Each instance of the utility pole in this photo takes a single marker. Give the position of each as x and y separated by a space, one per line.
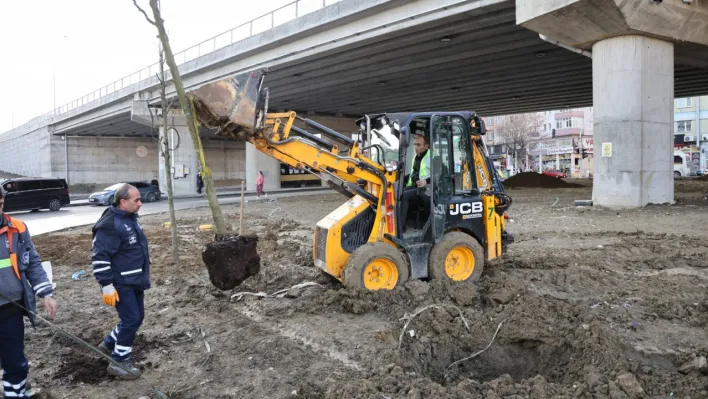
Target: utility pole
54 88
54 80
66 157
698 133
580 154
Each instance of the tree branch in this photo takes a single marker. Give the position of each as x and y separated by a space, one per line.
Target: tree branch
135 2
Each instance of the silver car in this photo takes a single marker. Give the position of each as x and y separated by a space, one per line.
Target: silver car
148 193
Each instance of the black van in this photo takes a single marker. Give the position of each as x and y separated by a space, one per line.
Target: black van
31 193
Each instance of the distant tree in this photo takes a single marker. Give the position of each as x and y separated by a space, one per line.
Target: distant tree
514 132
166 151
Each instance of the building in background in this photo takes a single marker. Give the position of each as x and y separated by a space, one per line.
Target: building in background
555 144
561 137
691 131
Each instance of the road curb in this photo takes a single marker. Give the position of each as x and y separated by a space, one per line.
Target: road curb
247 194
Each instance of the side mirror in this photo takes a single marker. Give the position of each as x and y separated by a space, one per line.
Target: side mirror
404 140
481 126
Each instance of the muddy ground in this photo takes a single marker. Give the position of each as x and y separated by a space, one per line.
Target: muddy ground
592 303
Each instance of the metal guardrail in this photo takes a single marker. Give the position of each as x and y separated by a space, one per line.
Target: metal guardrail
255 26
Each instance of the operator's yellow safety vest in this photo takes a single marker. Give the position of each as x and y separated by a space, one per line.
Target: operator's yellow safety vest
423 172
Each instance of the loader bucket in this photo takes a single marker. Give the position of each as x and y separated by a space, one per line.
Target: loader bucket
233 105
231 259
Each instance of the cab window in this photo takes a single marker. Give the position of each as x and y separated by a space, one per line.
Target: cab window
462 156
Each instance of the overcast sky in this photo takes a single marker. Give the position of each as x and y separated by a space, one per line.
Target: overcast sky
91 43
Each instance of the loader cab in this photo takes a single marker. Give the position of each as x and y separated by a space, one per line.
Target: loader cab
457 179
453 198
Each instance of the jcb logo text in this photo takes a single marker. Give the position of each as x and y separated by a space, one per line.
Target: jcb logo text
466 208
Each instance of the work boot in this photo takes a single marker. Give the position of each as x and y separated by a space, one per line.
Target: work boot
121 373
103 348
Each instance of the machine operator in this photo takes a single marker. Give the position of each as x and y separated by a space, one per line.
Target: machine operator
416 190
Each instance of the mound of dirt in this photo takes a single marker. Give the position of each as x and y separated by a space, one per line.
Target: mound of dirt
533 179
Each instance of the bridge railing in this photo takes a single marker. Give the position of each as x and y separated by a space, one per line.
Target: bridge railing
255 26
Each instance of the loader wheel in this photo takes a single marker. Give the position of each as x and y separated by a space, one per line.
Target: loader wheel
457 257
375 266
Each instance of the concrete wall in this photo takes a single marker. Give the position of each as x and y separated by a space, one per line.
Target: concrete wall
227 160
103 160
26 154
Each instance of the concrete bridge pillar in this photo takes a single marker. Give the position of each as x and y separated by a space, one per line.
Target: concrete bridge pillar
633 92
255 161
632 43
185 164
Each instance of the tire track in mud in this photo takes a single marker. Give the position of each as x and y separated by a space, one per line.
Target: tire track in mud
297 333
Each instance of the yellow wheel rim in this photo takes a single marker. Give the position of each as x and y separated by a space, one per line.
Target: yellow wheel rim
381 273
459 263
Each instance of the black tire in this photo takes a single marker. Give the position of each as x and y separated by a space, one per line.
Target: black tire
677 173
151 197
110 200
54 204
458 241
357 267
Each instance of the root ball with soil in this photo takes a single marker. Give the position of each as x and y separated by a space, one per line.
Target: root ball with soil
231 259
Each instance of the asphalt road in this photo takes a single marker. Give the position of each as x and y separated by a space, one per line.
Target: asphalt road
45 221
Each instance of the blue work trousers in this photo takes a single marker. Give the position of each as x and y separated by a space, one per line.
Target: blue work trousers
131 311
12 354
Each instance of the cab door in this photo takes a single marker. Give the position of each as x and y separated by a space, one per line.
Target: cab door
30 194
442 168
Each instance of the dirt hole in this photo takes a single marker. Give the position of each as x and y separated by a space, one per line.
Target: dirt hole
520 360
82 365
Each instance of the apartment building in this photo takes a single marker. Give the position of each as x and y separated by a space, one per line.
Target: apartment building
555 145
691 131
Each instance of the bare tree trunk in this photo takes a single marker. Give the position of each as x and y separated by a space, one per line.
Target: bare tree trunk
164 145
159 23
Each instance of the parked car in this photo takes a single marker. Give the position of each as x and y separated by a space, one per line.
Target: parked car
148 193
555 173
681 168
34 193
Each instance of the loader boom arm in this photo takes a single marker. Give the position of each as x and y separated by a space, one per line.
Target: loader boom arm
238 108
318 155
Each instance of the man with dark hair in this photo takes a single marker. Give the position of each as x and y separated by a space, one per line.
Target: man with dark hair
121 265
418 180
21 278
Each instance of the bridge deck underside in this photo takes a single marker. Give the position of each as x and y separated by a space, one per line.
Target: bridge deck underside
490 65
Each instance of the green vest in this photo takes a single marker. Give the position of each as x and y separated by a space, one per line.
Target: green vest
423 172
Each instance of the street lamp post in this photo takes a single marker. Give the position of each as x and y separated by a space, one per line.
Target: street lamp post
54 80
54 112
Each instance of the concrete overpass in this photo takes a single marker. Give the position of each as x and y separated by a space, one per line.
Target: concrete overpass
363 56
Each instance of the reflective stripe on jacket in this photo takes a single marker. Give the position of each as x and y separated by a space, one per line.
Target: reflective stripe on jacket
25 262
120 250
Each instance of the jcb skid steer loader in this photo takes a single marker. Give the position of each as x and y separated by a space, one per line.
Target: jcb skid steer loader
362 243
